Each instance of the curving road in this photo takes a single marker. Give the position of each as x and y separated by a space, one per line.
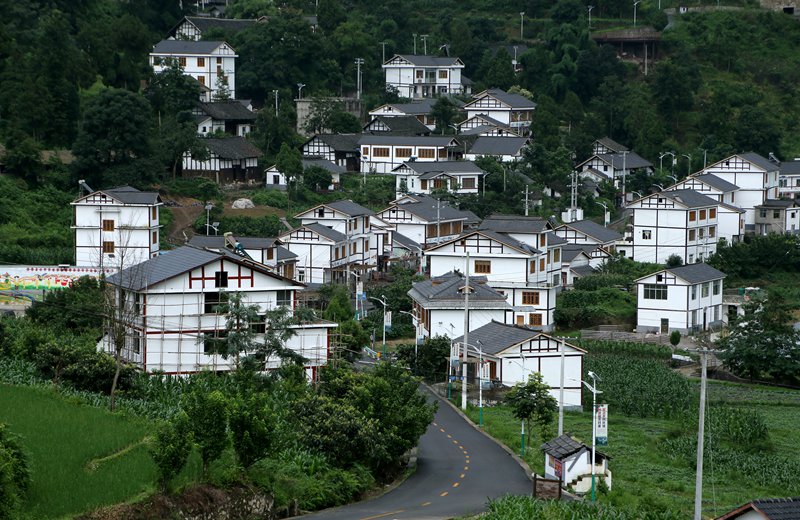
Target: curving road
458 470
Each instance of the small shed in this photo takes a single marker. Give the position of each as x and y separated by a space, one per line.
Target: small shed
570 461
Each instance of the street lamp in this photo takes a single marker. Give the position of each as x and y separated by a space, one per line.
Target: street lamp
415 320
300 90
479 350
660 187
593 389
688 164
637 2
674 179
358 279
382 301
209 225
521 24
590 7
605 212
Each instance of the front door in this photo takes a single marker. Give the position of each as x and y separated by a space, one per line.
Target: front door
664 325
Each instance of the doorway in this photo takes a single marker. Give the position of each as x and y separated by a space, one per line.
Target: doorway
664 325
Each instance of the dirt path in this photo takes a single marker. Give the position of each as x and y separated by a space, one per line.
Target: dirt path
183 216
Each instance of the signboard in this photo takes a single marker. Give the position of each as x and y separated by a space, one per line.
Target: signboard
557 466
601 418
388 323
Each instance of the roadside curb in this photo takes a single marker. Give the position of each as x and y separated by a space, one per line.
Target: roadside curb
517 458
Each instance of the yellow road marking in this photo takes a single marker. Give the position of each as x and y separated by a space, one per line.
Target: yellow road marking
466 468
383 514
455 442
435 424
424 504
462 448
455 485
441 430
449 436
443 494
462 476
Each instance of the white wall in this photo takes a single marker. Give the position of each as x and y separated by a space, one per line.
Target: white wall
132 236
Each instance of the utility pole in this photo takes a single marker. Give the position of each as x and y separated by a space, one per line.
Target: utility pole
466 332
275 92
415 43
358 62
521 25
526 200
438 219
624 175
561 393
590 7
698 483
424 38
383 51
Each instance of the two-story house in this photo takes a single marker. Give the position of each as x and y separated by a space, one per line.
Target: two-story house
230 160
756 177
461 177
397 125
709 185
384 153
267 251
589 232
606 145
424 76
276 180
116 228
486 126
425 220
340 149
439 304
193 27
613 167
778 216
211 63
421 109
323 254
678 222
512 110
229 117
687 299
171 311
504 149
789 179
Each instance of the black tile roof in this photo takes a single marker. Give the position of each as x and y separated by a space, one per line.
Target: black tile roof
688 198
694 273
486 145
563 446
612 144
410 140
339 142
189 47
513 100
447 292
594 230
442 167
232 148
426 210
779 508
778 203
495 337
429 61
716 183
326 232
348 207
206 23
130 195
325 164
514 224
227 111
790 167
218 241
401 125
759 160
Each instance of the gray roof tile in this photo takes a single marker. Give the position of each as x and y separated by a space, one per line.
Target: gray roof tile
594 230
232 147
129 195
790 167
760 161
402 125
688 198
447 292
514 224
485 145
186 47
612 144
442 167
512 100
348 207
693 273
717 183
325 231
410 140
227 110
325 164
496 337
429 61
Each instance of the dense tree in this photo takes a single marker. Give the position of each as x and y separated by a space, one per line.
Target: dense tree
252 424
531 402
428 360
171 447
208 419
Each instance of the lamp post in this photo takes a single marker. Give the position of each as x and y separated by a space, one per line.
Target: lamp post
275 93
358 278
383 302
521 25
660 187
359 62
688 163
590 7
593 389
479 349
300 90
424 38
637 2
605 212
208 208
705 156
674 179
415 320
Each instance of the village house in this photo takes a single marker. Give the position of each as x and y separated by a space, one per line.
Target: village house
459 177
171 307
193 27
420 109
116 228
230 160
789 179
687 299
511 110
396 125
384 153
425 220
766 509
486 126
211 63
709 185
589 232
504 149
267 251
322 253
340 149
276 180
777 216
613 167
606 145
514 268
231 117
756 177
570 461
578 261
424 76
677 222
512 353
439 304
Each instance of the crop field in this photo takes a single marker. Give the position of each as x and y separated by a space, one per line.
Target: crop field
81 457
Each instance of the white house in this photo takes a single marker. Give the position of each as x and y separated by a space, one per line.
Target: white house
460 177
512 267
230 160
570 462
777 216
589 232
678 222
687 299
789 179
483 125
439 304
230 117
512 110
340 149
211 63
756 177
116 228
276 180
765 509
193 27
578 261
425 220
398 125
322 253
504 149
612 167
424 76
709 185
607 145
512 353
384 153
267 251
171 311
420 109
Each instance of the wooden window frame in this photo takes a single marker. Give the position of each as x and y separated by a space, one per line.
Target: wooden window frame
108 225
530 298
108 247
483 267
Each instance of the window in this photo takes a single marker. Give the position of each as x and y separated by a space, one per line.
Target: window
530 298
365 150
419 73
366 223
201 80
776 213
702 233
541 264
284 298
763 213
136 344
427 153
182 61
691 259
276 179
221 279
655 292
542 240
468 183
692 235
301 275
712 213
320 212
270 253
705 290
442 73
442 153
520 320
556 256
647 234
702 214
694 292
155 237
424 183
535 320
380 152
532 267
219 61
108 225
717 284
201 62
137 304
402 152
483 267
213 343
108 247
210 302
712 231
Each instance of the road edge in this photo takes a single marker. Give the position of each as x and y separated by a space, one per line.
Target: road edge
517 458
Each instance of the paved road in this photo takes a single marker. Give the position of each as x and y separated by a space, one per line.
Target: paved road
458 469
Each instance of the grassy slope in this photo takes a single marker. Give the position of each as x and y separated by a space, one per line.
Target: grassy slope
62 438
642 475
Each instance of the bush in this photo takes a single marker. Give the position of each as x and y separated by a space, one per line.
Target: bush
252 426
171 447
675 338
272 198
598 281
577 308
208 416
521 507
197 187
15 474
